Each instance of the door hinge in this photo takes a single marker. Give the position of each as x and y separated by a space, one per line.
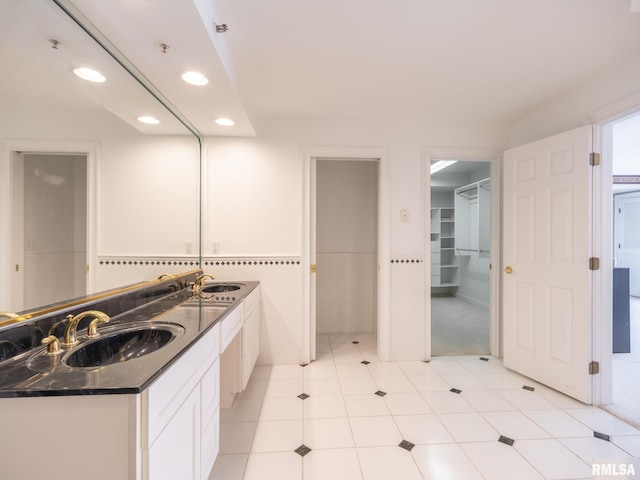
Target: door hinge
594 263
594 159
313 268
87 268
17 267
594 368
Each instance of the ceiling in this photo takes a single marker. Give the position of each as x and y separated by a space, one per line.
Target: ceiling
410 60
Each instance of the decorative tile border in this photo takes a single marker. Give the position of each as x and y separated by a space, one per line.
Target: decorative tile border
406 260
125 261
250 261
626 179
147 261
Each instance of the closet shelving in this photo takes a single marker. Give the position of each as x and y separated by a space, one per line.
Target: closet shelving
444 267
472 207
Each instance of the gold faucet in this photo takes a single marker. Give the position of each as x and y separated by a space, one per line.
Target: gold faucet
70 332
8 315
53 345
179 284
199 283
92 331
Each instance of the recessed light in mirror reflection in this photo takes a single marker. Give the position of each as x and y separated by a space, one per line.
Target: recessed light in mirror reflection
225 122
149 120
194 78
89 74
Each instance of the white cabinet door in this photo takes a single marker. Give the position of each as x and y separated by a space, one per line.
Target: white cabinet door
250 345
210 419
175 453
546 297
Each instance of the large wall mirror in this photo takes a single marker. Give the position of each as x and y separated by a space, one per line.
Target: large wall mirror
88 191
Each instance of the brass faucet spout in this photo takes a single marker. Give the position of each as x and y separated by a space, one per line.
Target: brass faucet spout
8 315
70 333
200 279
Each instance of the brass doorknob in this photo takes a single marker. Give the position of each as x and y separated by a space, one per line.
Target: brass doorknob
508 270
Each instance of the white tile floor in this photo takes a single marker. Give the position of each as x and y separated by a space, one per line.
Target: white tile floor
354 434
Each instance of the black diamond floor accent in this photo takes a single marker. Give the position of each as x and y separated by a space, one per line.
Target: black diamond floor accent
364 362
455 390
506 440
380 393
303 396
355 342
602 436
484 359
527 387
302 450
406 445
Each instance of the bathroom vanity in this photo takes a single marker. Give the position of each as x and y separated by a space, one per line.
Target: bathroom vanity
154 415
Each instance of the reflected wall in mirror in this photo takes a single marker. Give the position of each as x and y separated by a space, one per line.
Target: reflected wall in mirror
91 198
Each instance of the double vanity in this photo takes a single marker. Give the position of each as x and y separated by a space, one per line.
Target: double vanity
138 394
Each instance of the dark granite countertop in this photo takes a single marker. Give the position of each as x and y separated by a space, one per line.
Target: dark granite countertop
34 374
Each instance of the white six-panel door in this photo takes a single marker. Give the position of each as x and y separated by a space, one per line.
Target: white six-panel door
546 249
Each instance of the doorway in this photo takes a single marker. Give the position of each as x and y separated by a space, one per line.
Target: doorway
346 256
49 228
460 246
626 269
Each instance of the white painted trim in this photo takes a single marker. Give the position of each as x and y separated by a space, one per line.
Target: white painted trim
88 148
602 192
384 235
495 160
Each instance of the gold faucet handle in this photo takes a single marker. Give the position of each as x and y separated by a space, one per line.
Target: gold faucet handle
92 331
53 345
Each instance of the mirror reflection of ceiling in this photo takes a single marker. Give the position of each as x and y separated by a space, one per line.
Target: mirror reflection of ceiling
39 48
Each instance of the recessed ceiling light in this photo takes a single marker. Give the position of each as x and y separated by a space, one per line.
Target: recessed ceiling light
149 120
194 78
225 122
440 165
89 74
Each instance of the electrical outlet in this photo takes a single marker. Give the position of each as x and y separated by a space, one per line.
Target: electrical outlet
215 248
188 247
404 215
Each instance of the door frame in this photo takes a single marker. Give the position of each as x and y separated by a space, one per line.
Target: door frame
310 154
602 302
90 149
495 258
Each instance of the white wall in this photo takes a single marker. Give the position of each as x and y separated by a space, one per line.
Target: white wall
254 209
346 248
626 146
607 94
